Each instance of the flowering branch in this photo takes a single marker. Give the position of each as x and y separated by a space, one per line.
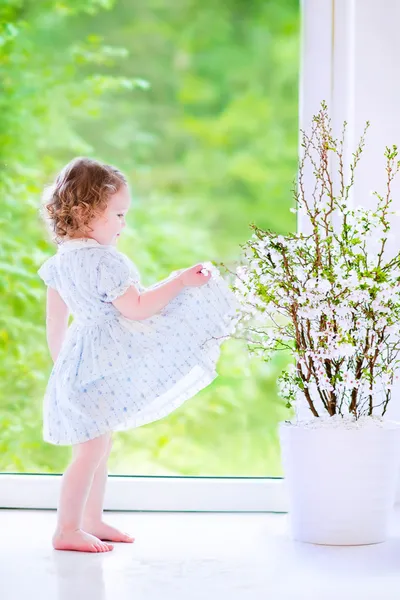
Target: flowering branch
327 295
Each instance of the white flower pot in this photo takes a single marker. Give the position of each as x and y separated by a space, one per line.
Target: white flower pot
341 482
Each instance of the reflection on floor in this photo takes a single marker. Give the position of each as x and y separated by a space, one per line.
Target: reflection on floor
193 556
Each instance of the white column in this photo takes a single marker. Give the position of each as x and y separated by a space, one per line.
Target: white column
316 69
350 59
376 91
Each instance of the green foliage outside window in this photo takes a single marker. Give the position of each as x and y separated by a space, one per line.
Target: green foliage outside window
197 103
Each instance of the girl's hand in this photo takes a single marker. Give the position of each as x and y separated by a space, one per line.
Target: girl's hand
194 277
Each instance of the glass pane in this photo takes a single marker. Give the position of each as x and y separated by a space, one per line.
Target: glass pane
197 103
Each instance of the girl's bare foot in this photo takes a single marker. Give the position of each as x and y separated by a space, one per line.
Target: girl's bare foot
79 540
107 532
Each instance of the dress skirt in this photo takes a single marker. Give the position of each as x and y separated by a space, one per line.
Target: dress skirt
117 374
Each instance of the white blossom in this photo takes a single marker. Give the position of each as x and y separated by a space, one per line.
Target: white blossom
346 309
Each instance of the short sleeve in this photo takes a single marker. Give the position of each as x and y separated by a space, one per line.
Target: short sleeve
115 276
47 272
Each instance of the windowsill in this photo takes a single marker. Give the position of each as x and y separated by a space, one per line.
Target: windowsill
196 556
150 493
158 494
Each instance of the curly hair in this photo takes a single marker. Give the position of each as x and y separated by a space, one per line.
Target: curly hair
80 193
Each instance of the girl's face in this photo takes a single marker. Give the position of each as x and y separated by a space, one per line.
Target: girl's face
107 228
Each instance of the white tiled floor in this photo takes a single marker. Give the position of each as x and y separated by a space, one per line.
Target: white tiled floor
193 556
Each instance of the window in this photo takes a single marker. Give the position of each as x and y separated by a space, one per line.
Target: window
209 146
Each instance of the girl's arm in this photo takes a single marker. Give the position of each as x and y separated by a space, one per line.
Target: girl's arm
136 306
57 314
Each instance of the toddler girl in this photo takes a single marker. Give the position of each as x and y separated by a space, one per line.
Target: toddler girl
132 354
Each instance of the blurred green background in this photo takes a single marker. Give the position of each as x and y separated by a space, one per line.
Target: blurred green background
197 102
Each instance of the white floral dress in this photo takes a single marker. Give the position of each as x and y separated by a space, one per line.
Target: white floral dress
114 373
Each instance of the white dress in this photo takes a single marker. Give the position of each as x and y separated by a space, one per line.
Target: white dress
114 373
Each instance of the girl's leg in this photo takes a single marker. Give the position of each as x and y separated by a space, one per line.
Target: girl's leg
93 511
75 487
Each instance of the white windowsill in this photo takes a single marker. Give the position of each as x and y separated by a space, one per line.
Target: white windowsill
145 493
152 493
